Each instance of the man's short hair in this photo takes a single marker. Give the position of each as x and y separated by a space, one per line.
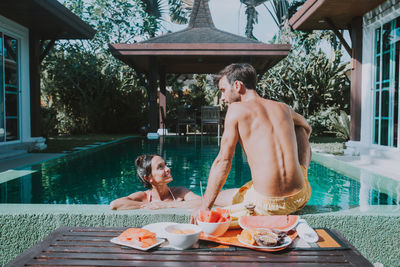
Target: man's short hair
243 72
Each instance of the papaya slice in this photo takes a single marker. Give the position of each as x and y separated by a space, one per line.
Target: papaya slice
145 237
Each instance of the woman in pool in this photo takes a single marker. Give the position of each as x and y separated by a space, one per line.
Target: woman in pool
155 175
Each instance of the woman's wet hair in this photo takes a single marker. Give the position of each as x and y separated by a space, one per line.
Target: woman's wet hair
243 72
143 168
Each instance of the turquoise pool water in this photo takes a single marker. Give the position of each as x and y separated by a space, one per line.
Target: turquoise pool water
97 176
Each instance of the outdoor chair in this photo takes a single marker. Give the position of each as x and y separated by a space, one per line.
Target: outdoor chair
186 117
210 115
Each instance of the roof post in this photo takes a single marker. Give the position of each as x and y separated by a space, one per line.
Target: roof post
152 87
356 79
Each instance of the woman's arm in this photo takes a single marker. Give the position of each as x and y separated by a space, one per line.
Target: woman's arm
133 201
189 204
189 200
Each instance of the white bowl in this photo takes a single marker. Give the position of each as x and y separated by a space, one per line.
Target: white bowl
214 229
182 241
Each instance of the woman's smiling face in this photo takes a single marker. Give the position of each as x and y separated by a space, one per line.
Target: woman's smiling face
160 173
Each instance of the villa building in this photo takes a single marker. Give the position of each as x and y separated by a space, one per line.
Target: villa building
25 25
374 27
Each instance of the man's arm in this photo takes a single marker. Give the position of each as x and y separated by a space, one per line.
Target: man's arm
133 201
299 120
222 164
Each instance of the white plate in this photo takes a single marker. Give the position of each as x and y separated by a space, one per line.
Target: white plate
158 228
286 242
136 245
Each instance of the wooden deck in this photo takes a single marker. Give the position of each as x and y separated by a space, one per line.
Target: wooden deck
76 246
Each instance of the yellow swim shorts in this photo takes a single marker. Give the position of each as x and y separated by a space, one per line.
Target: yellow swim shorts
273 205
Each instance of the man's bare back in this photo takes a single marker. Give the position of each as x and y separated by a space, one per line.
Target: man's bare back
275 140
268 138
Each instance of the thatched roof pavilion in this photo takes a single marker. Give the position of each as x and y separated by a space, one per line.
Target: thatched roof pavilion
200 48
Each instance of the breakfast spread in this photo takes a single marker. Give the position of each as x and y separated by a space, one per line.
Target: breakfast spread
265 233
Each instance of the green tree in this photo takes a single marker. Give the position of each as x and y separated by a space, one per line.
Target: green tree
278 10
312 83
155 9
85 88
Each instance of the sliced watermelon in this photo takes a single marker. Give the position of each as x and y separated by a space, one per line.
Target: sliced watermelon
279 222
214 216
224 213
222 219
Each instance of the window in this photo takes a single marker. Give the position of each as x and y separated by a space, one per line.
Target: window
386 88
9 89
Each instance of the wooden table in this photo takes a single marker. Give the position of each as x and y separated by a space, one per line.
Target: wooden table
76 246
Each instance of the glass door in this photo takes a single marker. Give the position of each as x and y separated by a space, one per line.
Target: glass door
2 117
10 91
386 88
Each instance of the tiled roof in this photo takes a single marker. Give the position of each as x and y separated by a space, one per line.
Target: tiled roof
201 29
200 35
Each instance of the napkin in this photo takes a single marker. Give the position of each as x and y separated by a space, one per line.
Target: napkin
305 232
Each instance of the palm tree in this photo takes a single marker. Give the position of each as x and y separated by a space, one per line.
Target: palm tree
179 11
279 13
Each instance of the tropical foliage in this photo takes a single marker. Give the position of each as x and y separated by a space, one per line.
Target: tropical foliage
84 88
278 10
341 124
313 83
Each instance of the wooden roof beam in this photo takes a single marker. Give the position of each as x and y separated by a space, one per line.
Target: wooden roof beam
339 35
46 50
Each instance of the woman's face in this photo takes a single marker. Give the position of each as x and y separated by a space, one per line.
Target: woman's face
160 173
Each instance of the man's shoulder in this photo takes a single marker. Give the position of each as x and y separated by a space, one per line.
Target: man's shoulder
236 106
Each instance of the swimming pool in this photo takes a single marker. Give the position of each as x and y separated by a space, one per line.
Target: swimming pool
99 175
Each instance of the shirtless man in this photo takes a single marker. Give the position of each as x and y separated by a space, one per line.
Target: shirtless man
275 140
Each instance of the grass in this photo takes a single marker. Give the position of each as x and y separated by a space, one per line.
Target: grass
61 144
